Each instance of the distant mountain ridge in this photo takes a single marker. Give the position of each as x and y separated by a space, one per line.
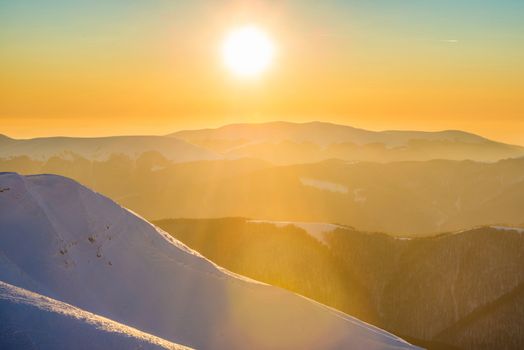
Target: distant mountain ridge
288 143
323 133
100 148
282 143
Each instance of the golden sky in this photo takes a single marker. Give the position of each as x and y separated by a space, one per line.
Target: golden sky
153 67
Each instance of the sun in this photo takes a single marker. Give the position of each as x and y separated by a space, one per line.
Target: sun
248 51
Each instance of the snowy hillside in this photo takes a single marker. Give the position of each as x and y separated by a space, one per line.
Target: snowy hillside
101 148
62 240
31 321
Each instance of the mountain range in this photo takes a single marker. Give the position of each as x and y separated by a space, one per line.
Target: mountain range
415 198
280 143
101 148
417 233
292 143
71 245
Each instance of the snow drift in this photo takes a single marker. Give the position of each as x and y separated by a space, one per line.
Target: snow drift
62 240
29 320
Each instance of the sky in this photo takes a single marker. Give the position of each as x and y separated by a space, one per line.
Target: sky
112 67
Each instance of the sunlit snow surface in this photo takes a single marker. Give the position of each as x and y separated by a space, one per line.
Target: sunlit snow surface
324 185
314 229
29 320
509 228
62 240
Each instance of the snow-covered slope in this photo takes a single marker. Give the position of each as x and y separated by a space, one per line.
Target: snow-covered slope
509 228
64 241
31 321
102 147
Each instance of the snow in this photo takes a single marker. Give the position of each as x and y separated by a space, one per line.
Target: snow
103 147
68 243
403 238
157 168
324 185
359 195
30 318
509 228
314 229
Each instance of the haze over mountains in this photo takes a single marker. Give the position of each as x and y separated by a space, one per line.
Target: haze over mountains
398 197
277 142
83 249
100 148
291 143
286 171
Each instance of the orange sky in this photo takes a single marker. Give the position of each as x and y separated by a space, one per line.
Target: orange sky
105 68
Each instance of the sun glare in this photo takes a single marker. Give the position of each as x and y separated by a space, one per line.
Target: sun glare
248 51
